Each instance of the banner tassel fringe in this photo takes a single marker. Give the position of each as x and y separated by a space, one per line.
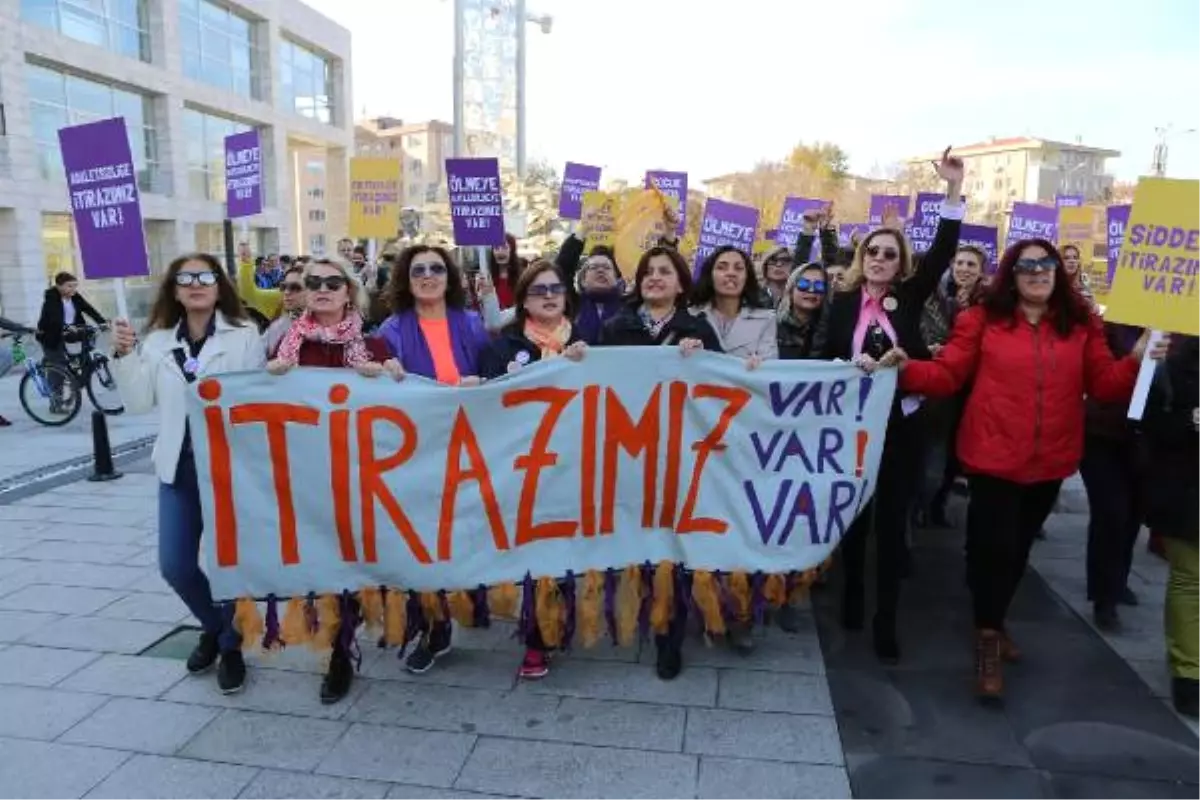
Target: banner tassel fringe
548 610
705 591
248 622
370 599
462 609
271 641
591 608
328 623
294 627
663 606
395 618
629 597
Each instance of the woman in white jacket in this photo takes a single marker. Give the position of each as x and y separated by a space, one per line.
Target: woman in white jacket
197 328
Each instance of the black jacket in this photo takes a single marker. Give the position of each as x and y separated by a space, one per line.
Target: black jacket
626 330
51 322
507 347
1172 446
829 248
835 334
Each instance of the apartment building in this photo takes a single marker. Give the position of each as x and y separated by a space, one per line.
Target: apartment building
421 147
184 74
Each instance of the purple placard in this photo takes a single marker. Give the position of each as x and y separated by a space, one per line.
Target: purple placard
985 237
243 175
1030 221
672 184
923 225
879 202
476 207
577 179
102 183
791 219
725 223
1068 200
847 230
1116 218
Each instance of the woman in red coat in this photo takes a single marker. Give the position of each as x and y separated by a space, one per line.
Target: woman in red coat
1031 350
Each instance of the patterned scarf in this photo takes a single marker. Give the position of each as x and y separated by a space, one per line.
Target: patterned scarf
654 327
550 341
347 333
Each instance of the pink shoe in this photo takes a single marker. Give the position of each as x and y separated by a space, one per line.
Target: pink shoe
534 666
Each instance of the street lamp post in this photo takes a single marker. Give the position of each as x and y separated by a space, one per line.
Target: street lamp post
546 22
1159 163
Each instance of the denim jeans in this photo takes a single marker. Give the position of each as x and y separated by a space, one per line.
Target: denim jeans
180 526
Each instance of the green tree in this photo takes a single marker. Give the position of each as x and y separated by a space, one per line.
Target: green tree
823 160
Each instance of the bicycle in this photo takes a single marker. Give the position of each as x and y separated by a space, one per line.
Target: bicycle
63 387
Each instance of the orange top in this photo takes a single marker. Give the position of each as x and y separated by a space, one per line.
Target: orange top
437 337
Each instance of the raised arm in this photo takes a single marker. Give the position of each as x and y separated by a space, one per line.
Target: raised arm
940 255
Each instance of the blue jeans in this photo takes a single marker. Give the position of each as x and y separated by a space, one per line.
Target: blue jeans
180 526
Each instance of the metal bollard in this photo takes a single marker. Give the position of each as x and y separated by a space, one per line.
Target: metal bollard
102 459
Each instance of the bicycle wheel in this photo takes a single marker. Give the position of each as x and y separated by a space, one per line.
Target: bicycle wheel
43 403
102 388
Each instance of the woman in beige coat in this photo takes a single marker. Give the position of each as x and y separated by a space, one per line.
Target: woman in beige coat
727 294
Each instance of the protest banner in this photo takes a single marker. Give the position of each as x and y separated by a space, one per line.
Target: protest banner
105 203
600 210
578 180
1154 284
374 197
1068 200
321 480
639 227
476 204
672 184
725 224
1030 221
791 219
880 204
243 175
1116 218
985 237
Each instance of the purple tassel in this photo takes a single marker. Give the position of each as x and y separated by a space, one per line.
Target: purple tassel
683 589
383 592
610 603
414 622
527 619
568 591
310 613
445 605
481 613
271 636
728 606
758 603
647 575
351 618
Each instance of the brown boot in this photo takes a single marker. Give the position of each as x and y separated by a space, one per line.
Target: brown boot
1009 652
989 683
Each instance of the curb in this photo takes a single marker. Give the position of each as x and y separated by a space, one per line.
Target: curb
43 479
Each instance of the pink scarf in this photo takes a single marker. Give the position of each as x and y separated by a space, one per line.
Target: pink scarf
347 333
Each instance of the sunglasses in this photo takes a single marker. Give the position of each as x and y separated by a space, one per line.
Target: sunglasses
1035 265
546 290
292 288
815 285
315 283
193 278
781 259
427 270
886 253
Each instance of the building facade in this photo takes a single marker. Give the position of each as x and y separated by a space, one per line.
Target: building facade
184 74
1000 172
421 147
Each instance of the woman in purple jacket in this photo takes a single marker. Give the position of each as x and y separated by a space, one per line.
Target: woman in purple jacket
432 334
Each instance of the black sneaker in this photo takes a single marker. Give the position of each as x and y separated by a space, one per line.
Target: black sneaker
669 659
1106 618
338 678
204 656
231 674
1185 695
788 618
1128 597
433 645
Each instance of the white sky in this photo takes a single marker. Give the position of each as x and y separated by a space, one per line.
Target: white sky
713 87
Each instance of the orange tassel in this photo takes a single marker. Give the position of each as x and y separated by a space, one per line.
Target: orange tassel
294 628
249 623
775 590
662 610
462 608
371 600
503 599
589 608
431 606
549 612
629 604
328 621
704 592
395 617
739 587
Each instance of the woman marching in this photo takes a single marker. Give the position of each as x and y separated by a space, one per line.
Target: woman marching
197 328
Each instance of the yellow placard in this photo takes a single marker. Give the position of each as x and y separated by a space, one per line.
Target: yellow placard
374 198
639 227
1077 228
1154 284
600 211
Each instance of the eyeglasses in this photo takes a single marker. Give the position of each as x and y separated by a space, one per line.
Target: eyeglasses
315 283
815 285
292 288
427 270
1035 265
886 253
546 290
779 259
193 278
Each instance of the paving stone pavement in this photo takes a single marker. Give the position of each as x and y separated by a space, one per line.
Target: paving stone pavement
83 715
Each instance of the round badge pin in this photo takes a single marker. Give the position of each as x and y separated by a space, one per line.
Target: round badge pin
521 358
191 366
889 303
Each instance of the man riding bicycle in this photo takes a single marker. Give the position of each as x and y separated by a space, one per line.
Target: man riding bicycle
63 311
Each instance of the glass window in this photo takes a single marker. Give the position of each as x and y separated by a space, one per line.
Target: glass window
205 147
306 82
120 26
218 47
